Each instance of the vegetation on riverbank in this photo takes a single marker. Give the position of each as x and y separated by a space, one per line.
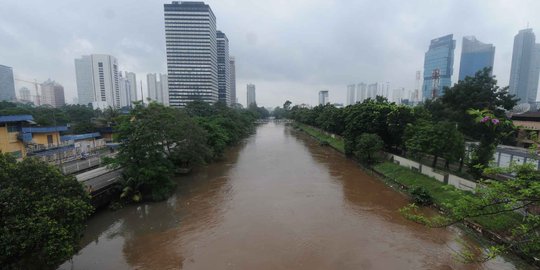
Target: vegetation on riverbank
483 209
42 214
334 141
157 141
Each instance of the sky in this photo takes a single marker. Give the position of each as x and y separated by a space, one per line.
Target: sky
289 49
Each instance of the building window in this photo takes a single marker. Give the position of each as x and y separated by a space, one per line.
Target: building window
50 139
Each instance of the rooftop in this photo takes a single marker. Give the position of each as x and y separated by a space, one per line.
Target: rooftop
16 118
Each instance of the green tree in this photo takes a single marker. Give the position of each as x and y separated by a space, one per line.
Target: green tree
492 199
367 146
146 136
42 214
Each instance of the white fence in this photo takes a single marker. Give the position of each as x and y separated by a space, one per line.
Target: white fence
450 179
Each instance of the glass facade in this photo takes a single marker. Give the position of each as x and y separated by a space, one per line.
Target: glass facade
475 56
224 68
524 72
439 57
7 84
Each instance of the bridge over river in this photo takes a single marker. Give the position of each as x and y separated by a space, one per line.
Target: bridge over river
277 201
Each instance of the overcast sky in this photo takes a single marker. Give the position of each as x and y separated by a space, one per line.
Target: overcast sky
290 49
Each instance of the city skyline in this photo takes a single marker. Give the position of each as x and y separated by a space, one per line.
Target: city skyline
139 45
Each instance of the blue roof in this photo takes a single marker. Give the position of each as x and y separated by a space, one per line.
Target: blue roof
44 129
77 137
16 118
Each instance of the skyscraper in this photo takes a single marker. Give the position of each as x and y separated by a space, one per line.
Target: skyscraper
190 35
361 92
475 56
132 80
224 87
323 97
251 95
525 67
7 84
351 89
52 93
25 95
232 67
438 66
97 81
158 90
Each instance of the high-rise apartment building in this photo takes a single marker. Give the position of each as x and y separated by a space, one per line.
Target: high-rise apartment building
361 92
475 56
7 84
250 94
97 81
351 91
438 66
323 97
132 80
224 86
52 94
525 71
158 90
190 35
232 66
25 95
373 90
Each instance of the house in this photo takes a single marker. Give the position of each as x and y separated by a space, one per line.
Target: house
11 136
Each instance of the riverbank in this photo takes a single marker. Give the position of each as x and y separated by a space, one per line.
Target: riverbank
495 228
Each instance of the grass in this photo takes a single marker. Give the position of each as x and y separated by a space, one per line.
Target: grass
442 193
337 143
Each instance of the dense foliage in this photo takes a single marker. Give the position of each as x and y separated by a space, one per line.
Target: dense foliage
156 141
80 118
42 214
368 145
436 129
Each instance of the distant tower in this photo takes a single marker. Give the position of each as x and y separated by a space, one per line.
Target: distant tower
52 93
416 93
524 72
350 94
361 92
440 56
233 80
251 95
7 84
323 97
475 56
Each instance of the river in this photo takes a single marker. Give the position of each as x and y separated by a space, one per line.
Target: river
276 201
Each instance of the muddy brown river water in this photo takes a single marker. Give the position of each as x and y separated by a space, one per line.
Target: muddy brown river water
277 201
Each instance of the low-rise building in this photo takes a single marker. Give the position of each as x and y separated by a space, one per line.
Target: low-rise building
85 143
11 137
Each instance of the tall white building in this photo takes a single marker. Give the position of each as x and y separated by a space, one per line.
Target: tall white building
351 89
97 81
25 95
323 97
158 90
132 80
361 92
190 38
251 95
232 66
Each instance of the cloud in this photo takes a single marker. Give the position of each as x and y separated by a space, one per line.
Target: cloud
289 49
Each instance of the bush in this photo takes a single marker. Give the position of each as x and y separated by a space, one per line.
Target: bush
421 196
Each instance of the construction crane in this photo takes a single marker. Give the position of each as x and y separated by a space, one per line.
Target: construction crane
35 83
